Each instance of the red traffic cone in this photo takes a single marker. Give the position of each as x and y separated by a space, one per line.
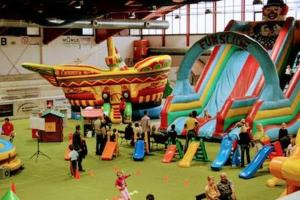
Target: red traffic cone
13 187
77 175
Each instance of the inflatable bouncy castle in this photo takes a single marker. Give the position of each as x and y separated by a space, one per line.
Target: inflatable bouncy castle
8 157
142 86
242 78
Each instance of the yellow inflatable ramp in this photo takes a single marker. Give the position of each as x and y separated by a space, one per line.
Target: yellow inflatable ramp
189 155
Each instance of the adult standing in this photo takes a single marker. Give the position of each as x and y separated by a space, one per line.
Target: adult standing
103 137
107 121
244 142
226 188
129 133
122 107
77 146
283 137
97 127
190 125
146 127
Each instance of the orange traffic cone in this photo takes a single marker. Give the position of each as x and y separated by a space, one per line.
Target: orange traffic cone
13 187
70 136
77 175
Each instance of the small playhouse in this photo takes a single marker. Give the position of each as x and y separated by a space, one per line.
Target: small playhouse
54 121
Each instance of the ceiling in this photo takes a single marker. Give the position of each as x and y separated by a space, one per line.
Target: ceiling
54 12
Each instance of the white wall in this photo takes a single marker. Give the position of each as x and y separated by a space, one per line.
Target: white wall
63 50
176 41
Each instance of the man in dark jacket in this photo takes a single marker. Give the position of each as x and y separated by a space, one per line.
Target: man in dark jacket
77 146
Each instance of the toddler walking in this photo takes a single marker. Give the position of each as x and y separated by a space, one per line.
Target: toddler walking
73 159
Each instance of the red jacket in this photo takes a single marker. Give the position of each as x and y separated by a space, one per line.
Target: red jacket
122 106
121 182
7 128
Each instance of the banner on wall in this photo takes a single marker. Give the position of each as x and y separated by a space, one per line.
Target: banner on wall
25 108
80 42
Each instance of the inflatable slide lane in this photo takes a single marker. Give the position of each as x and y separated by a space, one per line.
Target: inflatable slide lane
272 113
139 150
256 163
232 80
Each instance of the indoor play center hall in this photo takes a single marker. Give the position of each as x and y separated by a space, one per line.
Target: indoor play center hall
149 99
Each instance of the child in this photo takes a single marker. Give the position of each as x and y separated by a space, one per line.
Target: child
291 146
172 134
113 137
196 128
138 133
122 186
184 131
260 138
73 159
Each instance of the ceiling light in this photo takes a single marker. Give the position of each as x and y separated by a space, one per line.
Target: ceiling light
257 2
178 1
177 17
78 4
55 21
132 15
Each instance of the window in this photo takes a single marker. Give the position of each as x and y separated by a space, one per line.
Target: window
202 16
87 31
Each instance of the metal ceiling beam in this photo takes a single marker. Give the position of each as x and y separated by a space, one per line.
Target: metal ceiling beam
97 24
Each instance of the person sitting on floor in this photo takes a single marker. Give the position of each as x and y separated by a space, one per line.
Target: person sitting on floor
226 188
211 189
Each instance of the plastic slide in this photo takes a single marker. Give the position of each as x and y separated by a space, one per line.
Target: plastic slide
139 150
189 155
109 150
257 161
170 153
224 154
236 158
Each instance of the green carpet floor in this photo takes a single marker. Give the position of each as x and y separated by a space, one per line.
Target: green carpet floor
50 179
